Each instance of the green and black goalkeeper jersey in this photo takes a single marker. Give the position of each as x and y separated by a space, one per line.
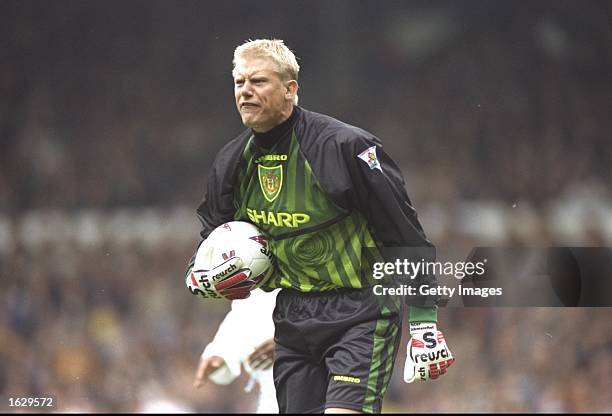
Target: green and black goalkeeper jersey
322 191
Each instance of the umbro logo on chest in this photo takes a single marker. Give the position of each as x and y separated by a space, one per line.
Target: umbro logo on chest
270 157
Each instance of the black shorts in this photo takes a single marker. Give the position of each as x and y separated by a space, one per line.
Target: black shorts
334 349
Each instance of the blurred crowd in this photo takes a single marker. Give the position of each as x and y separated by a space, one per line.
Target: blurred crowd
502 102
498 115
114 330
108 330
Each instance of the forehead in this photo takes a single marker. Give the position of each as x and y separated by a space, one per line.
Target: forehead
250 66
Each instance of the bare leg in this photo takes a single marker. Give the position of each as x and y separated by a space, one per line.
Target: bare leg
340 410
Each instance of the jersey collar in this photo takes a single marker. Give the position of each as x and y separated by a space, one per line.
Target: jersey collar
271 137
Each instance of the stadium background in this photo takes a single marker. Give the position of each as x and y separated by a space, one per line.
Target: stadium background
111 113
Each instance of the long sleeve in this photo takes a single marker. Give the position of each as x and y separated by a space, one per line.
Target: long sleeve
247 325
378 190
217 206
225 345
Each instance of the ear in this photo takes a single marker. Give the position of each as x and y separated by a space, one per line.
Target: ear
292 89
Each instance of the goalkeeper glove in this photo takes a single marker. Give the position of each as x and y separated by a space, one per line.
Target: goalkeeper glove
428 355
227 280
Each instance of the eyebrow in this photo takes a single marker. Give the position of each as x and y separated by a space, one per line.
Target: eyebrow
257 73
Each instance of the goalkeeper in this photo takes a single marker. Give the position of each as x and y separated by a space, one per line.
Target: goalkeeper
322 191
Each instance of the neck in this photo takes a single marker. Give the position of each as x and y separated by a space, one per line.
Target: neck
270 137
284 115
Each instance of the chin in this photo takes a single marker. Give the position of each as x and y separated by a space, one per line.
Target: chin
247 122
251 123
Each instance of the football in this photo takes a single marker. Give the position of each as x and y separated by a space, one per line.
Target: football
236 240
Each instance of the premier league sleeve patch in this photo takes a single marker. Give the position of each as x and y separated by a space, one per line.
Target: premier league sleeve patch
369 157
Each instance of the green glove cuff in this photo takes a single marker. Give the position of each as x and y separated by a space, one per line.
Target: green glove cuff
419 314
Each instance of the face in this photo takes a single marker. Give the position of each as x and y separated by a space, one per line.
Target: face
262 98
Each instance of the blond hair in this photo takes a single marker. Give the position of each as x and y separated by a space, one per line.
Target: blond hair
274 49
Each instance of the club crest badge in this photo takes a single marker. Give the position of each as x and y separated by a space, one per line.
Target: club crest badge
270 180
369 156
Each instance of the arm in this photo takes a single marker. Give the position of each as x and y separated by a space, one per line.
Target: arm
216 208
378 191
221 355
245 335
206 367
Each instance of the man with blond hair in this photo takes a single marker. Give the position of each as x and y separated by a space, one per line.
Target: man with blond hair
329 200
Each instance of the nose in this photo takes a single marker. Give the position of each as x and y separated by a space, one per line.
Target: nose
246 90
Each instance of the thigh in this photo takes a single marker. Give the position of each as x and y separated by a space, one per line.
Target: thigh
300 379
334 349
361 362
300 383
